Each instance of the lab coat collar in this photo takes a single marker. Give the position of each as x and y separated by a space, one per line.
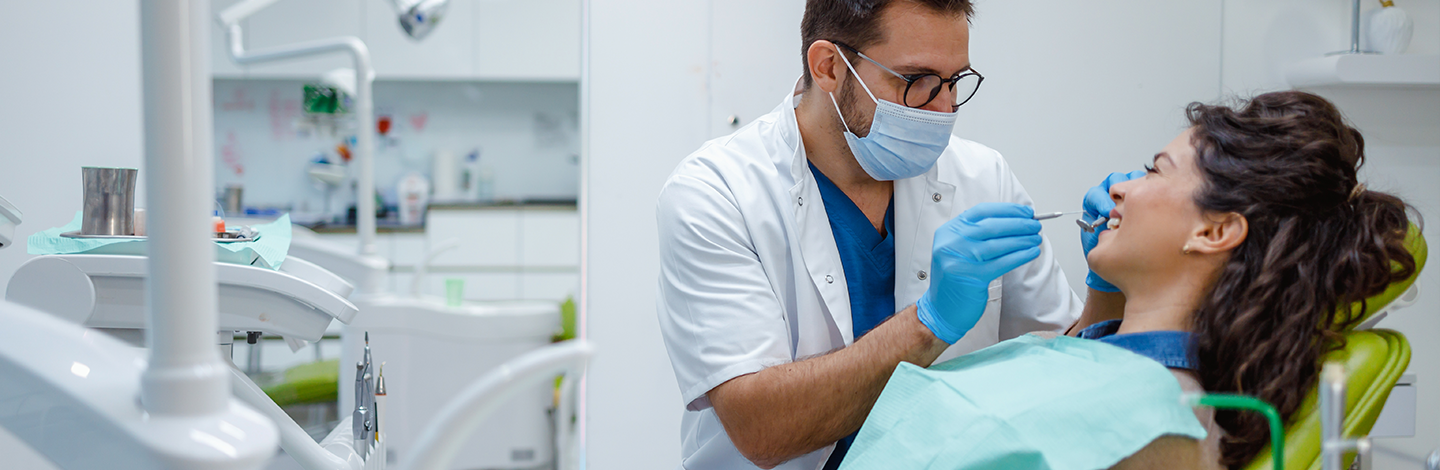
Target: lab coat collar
922 204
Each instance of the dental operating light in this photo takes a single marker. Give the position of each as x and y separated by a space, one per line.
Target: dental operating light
419 17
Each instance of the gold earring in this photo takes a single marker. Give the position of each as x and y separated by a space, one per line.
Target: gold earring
1186 249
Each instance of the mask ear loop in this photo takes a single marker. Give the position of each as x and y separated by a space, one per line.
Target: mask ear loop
846 60
856 74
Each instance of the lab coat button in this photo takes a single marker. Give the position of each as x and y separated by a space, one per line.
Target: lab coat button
923 275
829 279
801 199
935 197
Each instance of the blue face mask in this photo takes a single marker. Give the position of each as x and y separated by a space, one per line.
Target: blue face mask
903 142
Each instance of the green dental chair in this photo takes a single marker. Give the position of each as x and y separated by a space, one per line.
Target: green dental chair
1373 359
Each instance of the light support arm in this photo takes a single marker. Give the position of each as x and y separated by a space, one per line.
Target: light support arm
185 376
364 102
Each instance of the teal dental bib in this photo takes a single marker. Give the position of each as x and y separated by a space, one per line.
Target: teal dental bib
1028 403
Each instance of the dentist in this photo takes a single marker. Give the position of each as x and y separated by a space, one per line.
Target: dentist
806 255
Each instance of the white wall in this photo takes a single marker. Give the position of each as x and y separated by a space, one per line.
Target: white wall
643 99
70 96
1073 91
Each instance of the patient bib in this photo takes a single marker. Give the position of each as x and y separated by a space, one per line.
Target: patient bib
1028 403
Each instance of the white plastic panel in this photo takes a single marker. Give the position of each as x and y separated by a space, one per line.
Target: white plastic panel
1397 419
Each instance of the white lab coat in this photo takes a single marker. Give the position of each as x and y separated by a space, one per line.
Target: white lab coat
750 276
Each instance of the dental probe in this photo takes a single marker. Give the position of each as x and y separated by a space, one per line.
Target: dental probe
1090 227
1053 215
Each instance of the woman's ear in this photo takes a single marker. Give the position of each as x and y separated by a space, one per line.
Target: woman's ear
823 58
1219 234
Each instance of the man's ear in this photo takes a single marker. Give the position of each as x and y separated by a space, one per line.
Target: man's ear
826 70
1219 233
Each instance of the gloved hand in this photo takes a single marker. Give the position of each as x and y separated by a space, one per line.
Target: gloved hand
1098 203
982 244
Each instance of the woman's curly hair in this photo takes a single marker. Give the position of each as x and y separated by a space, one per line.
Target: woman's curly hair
1318 242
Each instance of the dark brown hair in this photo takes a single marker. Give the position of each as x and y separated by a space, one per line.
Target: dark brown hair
1317 243
856 23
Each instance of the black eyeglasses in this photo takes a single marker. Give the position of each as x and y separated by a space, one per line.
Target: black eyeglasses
921 89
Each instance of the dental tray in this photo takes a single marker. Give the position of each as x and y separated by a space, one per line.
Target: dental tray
244 234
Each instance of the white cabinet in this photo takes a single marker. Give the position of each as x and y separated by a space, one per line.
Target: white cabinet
292 21
530 253
528 40
549 238
488 238
448 52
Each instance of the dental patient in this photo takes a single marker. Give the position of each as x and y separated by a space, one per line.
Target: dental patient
1234 253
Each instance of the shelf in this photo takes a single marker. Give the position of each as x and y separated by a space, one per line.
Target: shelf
1362 70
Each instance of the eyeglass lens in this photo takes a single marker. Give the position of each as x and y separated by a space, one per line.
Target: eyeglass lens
928 87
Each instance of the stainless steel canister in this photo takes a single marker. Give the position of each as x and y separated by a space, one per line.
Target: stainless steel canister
234 200
109 201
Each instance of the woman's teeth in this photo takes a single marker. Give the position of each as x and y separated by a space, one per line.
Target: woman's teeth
1113 223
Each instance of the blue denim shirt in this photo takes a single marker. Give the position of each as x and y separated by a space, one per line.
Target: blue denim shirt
1170 348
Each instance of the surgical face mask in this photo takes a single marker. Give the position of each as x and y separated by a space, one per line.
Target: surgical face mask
903 142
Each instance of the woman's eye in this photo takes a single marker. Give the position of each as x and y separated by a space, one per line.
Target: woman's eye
1150 169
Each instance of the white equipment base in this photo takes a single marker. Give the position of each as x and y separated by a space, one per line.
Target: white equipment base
432 352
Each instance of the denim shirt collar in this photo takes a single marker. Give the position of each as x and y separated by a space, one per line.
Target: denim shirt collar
1170 348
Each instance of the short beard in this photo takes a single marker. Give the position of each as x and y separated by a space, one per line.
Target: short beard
848 100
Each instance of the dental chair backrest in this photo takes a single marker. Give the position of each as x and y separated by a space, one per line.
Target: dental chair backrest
1374 359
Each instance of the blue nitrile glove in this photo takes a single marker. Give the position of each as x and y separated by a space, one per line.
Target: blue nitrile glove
1098 203
980 245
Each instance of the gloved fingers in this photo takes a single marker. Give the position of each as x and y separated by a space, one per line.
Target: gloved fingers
991 228
1116 178
1097 200
986 210
1009 262
987 250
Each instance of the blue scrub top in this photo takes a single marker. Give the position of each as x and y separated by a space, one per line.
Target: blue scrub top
869 263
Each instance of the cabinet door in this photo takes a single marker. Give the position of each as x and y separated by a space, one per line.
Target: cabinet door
448 52
531 39
755 59
289 22
549 238
489 239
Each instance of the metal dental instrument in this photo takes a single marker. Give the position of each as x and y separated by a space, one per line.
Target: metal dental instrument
1052 215
357 419
1090 227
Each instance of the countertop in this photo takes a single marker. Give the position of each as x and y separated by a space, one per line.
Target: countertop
392 225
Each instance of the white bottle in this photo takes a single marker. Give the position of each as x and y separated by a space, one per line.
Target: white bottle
414 193
445 176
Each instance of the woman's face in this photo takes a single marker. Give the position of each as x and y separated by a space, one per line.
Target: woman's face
1156 215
